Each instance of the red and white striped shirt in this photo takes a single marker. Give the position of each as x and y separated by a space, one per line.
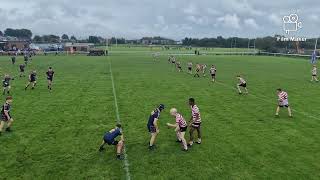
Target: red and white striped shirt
180 121
242 81
283 96
195 114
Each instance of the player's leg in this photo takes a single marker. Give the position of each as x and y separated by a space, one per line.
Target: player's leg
1 125
289 111
191 131
28 84
178 136
238 86
277 110
152 139
9 124
199 134
120 146
183 140
34 84
245 88
8 89
101 148
4 90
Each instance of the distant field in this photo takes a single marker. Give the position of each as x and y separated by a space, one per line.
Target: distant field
56 135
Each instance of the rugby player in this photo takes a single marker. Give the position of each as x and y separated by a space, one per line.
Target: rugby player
32 80
6 84
22 67
180 127
179 68
190 67
198 68
109 138
13 59
26 59
314 74
204 69
195 121
242 83
50 74
283 102
213 71
153 126
5 115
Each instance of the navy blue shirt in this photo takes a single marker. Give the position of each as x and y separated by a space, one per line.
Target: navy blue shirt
113 135
155 115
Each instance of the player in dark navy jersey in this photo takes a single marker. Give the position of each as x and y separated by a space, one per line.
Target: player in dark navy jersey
110 139
21 68
152 125
50 74
13 59
6 118
6 84
26 59
32 80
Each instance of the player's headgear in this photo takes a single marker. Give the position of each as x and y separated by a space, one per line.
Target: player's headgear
161 107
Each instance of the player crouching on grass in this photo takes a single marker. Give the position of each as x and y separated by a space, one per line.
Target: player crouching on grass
5 115
283 102
32 80
109 138
242 83
6 84
195 122
152 125
180 127
314 74
50 74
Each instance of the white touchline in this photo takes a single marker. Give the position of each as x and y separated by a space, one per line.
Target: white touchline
300 112
126 162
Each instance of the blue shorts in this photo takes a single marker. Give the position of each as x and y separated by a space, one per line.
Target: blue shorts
151 129
109 141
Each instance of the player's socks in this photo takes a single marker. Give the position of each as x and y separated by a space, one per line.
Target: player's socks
8 129
8 92
199 141
119 157
101 148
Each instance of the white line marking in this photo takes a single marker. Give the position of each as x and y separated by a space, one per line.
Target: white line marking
126 161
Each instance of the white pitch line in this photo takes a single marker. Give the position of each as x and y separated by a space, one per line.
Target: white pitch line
126 161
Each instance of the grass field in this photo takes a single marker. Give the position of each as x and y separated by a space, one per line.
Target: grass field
56 135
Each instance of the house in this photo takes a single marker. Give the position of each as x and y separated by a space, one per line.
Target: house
12 43
78 47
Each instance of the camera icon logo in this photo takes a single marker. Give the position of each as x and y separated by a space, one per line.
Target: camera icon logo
291 23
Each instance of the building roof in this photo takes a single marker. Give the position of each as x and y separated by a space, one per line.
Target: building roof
78 44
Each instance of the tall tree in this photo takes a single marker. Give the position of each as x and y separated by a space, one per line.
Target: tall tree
65 37
73 38
1 33
19 33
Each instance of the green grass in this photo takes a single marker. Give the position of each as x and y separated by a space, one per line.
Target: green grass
56 135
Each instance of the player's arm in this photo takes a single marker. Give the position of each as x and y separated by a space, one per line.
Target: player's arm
172 125
6 112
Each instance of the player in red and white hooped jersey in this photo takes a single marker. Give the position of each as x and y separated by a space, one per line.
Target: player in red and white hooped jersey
180 127
242 83
195 121
314 74
283 102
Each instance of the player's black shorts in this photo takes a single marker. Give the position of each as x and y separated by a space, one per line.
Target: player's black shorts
197 70
183 129
314 75
4 118
243 85
282 106
151 129
189 68
50 78
111 142
179 67
213 75
32 80
196 125
21 70
5 84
